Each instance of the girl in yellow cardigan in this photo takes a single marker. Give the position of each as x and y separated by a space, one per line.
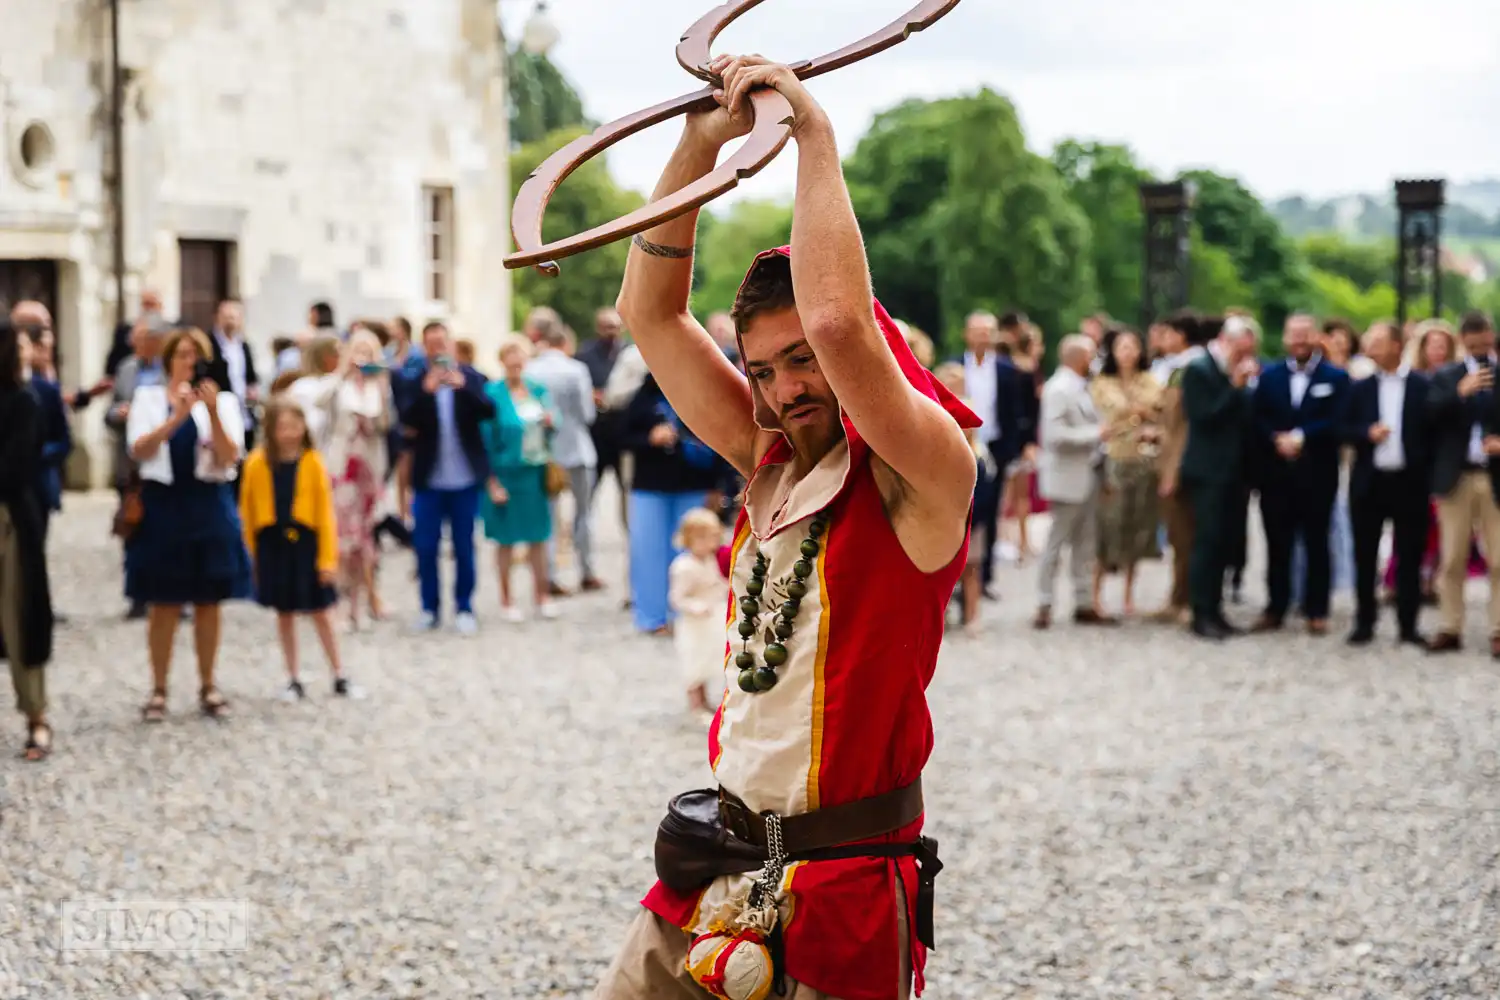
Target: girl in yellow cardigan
286 505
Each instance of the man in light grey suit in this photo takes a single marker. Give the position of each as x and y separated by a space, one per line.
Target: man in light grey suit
1071 439
572 390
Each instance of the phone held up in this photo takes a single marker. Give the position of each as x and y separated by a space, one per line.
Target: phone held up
201 372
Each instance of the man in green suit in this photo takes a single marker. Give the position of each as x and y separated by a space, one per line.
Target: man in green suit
1216 403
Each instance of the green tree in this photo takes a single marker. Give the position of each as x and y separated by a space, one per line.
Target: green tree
1365 263
541 98
728 242
586 199
1214 283
1229 216
1104 181
958 215
1337 295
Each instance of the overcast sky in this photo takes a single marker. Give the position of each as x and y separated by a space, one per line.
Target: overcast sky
1314 96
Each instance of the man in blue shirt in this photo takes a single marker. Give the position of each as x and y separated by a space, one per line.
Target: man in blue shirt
441 424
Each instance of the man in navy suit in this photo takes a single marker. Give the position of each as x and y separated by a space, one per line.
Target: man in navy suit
33 321
993 387
449 467
1299 407
1386 422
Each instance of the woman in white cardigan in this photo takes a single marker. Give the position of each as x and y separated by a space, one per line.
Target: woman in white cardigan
188 438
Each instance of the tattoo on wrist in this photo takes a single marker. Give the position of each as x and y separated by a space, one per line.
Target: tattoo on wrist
661 249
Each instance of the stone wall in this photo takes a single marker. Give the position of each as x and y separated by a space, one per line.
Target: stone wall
303 131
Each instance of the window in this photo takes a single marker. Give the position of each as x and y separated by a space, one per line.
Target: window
437 216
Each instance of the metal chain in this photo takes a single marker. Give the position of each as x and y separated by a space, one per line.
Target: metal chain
764 890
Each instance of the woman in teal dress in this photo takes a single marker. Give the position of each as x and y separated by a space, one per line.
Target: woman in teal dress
515 509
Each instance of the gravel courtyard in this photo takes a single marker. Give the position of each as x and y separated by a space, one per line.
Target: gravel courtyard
1122 814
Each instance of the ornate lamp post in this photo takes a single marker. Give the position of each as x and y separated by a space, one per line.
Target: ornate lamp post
1166 262
1419 244
539 34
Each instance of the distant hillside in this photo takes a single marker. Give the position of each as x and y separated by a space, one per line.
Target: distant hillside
1472 214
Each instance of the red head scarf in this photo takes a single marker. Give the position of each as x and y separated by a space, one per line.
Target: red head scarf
920 378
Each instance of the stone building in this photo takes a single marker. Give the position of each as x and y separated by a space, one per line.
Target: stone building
283 151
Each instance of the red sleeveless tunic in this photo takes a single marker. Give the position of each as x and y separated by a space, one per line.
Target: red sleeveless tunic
848 720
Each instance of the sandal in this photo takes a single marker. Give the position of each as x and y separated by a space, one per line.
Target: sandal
38 742
156 708
213 704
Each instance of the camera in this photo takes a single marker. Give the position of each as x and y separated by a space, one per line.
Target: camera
201 372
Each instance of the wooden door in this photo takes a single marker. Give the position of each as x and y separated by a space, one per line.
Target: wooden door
35 280
205 267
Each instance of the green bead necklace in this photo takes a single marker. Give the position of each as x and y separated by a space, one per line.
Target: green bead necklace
755 679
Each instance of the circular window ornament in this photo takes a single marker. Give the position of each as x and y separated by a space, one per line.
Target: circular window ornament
34 152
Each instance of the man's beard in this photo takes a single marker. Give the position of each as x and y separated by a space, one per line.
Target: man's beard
813 440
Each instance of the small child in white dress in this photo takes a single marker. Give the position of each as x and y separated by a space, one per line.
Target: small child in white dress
699 594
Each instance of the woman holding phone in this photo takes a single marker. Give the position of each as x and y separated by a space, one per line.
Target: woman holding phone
355 452
188 438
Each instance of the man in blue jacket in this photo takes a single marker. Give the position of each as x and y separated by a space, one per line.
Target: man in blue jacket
996 392
1299 411
33 321
441 422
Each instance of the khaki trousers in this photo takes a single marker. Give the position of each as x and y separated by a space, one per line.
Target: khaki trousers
1178 513
1470 507
651 965
30 682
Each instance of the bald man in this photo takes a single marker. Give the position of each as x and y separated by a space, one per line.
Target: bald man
1071 437
34 321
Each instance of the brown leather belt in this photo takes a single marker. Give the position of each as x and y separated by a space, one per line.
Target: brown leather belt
829 827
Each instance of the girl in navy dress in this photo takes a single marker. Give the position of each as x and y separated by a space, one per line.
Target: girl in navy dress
286 504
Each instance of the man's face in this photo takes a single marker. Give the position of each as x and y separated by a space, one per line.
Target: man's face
231 317
781 365
44 348
981 335
1093 329
1480 343
1383 348
607 324
435 341
1299 337
1169 340
1242 347
150 302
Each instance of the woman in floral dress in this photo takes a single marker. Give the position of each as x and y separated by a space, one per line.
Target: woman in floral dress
356 456
1129 401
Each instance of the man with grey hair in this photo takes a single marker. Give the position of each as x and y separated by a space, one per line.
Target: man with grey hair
1071 438
572 389
142 368
1217 401
540 323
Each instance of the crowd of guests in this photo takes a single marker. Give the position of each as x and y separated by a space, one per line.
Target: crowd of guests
281 489
283 493
1144 445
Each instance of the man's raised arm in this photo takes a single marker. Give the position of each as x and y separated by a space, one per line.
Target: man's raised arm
706 390
831 278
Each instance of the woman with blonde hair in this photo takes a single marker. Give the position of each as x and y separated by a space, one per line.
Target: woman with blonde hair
1432 344
515 506
359 416
325 365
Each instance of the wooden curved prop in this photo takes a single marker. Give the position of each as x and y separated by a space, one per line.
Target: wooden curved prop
772 128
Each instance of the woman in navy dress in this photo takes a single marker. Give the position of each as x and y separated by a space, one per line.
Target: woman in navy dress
188 437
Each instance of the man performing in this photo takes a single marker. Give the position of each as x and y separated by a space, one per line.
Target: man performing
853 536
